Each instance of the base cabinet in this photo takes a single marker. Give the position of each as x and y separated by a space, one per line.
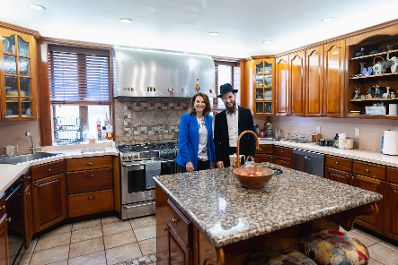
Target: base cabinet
338 175
49 201
3 232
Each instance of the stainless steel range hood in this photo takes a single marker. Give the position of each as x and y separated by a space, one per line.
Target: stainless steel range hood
150 73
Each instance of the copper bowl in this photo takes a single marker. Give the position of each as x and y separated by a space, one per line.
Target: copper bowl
253 177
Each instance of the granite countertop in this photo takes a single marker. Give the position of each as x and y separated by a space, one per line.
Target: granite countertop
10 173
217 204
372 157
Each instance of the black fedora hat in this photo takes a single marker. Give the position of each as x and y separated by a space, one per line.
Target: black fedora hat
226 88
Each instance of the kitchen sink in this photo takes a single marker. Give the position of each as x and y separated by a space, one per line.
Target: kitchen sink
25 158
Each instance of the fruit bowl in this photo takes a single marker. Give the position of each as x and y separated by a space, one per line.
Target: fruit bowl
253 177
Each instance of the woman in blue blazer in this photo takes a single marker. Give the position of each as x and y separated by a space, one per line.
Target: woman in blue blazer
195 136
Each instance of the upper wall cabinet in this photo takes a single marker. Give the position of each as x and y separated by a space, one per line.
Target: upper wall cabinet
264 84
334 78
296 82
314 81
17 75
282 85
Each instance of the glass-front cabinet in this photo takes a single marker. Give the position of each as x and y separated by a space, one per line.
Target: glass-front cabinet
264 86
17 75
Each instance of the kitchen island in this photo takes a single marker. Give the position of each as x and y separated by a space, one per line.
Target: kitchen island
206 217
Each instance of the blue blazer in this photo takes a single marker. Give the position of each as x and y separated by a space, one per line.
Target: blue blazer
188 140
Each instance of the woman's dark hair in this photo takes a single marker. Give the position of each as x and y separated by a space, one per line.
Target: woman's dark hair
207 102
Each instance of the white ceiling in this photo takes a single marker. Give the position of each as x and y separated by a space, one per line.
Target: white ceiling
183 25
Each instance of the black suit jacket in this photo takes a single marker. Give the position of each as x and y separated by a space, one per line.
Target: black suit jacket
221 138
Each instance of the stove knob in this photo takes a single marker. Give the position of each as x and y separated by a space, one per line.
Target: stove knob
129 156
124 157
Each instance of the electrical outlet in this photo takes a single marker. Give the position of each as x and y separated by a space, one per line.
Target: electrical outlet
318 129
356 132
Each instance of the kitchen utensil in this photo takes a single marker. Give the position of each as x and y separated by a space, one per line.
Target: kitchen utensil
349 144
10 149
263 133
253 177
232 159
342 140
389 144
379 67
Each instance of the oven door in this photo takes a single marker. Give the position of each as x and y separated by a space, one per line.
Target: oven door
133 184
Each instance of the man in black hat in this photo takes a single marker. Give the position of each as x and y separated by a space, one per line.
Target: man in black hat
228 125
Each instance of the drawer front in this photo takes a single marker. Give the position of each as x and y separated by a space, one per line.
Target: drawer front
89 180
90 202
282 162
283 152
339 163
265 149
48 169
88 163
264 158
370 170
392 175
180 223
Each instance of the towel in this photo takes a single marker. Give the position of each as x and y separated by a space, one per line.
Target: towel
152 169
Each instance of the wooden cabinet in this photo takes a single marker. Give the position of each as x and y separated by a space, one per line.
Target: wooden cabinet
89 185
28 211
338 175
264 85
265 153
174 233
296 82
3 231
334 56
283 156
48 193
314 81
18 76
282 96
343 164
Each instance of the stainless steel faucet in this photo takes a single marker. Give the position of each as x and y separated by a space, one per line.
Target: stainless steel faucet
33 148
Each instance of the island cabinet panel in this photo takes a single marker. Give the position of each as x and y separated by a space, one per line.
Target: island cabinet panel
28 211
391 208
265 153
372 184
314 81
282 86
49 201
337 175
296 82
343 164
334 78
264 158
90 185
3 231
392 175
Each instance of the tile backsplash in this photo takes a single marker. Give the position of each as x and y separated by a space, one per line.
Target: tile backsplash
140 120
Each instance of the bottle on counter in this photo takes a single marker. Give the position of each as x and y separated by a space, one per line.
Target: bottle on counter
99 129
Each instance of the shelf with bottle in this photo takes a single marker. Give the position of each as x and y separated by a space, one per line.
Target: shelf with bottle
369 56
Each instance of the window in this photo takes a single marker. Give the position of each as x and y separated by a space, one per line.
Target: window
80 93
227 72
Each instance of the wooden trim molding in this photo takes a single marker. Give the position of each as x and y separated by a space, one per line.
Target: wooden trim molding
81 44
345 36
32 32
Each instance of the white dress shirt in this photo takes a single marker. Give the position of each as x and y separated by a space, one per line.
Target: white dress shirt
233 130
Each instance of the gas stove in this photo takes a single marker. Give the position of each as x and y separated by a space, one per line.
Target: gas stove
138 152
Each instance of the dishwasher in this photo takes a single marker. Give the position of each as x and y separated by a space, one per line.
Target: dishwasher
309 162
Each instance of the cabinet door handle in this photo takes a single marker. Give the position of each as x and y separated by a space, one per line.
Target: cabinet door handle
91 175
3 207
49 170
9 219
90 164
395 191
337 162
165 228
174 220
366 170
46 183
91 197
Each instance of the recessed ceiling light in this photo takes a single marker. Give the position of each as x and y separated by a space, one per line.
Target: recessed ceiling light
126 20
267 41
327 19
213 33
37 7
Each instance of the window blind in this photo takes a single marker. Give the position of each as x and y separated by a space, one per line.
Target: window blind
79 75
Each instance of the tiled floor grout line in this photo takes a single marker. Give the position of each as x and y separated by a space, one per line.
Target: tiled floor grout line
103 240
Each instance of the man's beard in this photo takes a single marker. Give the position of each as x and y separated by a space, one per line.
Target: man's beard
231 109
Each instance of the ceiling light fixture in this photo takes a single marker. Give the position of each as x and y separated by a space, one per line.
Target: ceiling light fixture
37 7
213 33
327 19
267 41
126 20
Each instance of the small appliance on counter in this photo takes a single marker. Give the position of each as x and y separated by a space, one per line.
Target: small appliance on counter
389 143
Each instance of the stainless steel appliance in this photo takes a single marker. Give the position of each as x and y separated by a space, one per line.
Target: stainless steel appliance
309 162
139 164
14 209
154 73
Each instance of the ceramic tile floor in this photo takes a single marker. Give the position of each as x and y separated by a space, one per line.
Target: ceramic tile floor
110 241
105 241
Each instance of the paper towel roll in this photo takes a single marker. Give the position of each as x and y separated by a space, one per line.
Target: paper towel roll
342 140
392 109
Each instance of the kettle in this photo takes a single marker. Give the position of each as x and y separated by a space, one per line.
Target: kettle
394 61
389 143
